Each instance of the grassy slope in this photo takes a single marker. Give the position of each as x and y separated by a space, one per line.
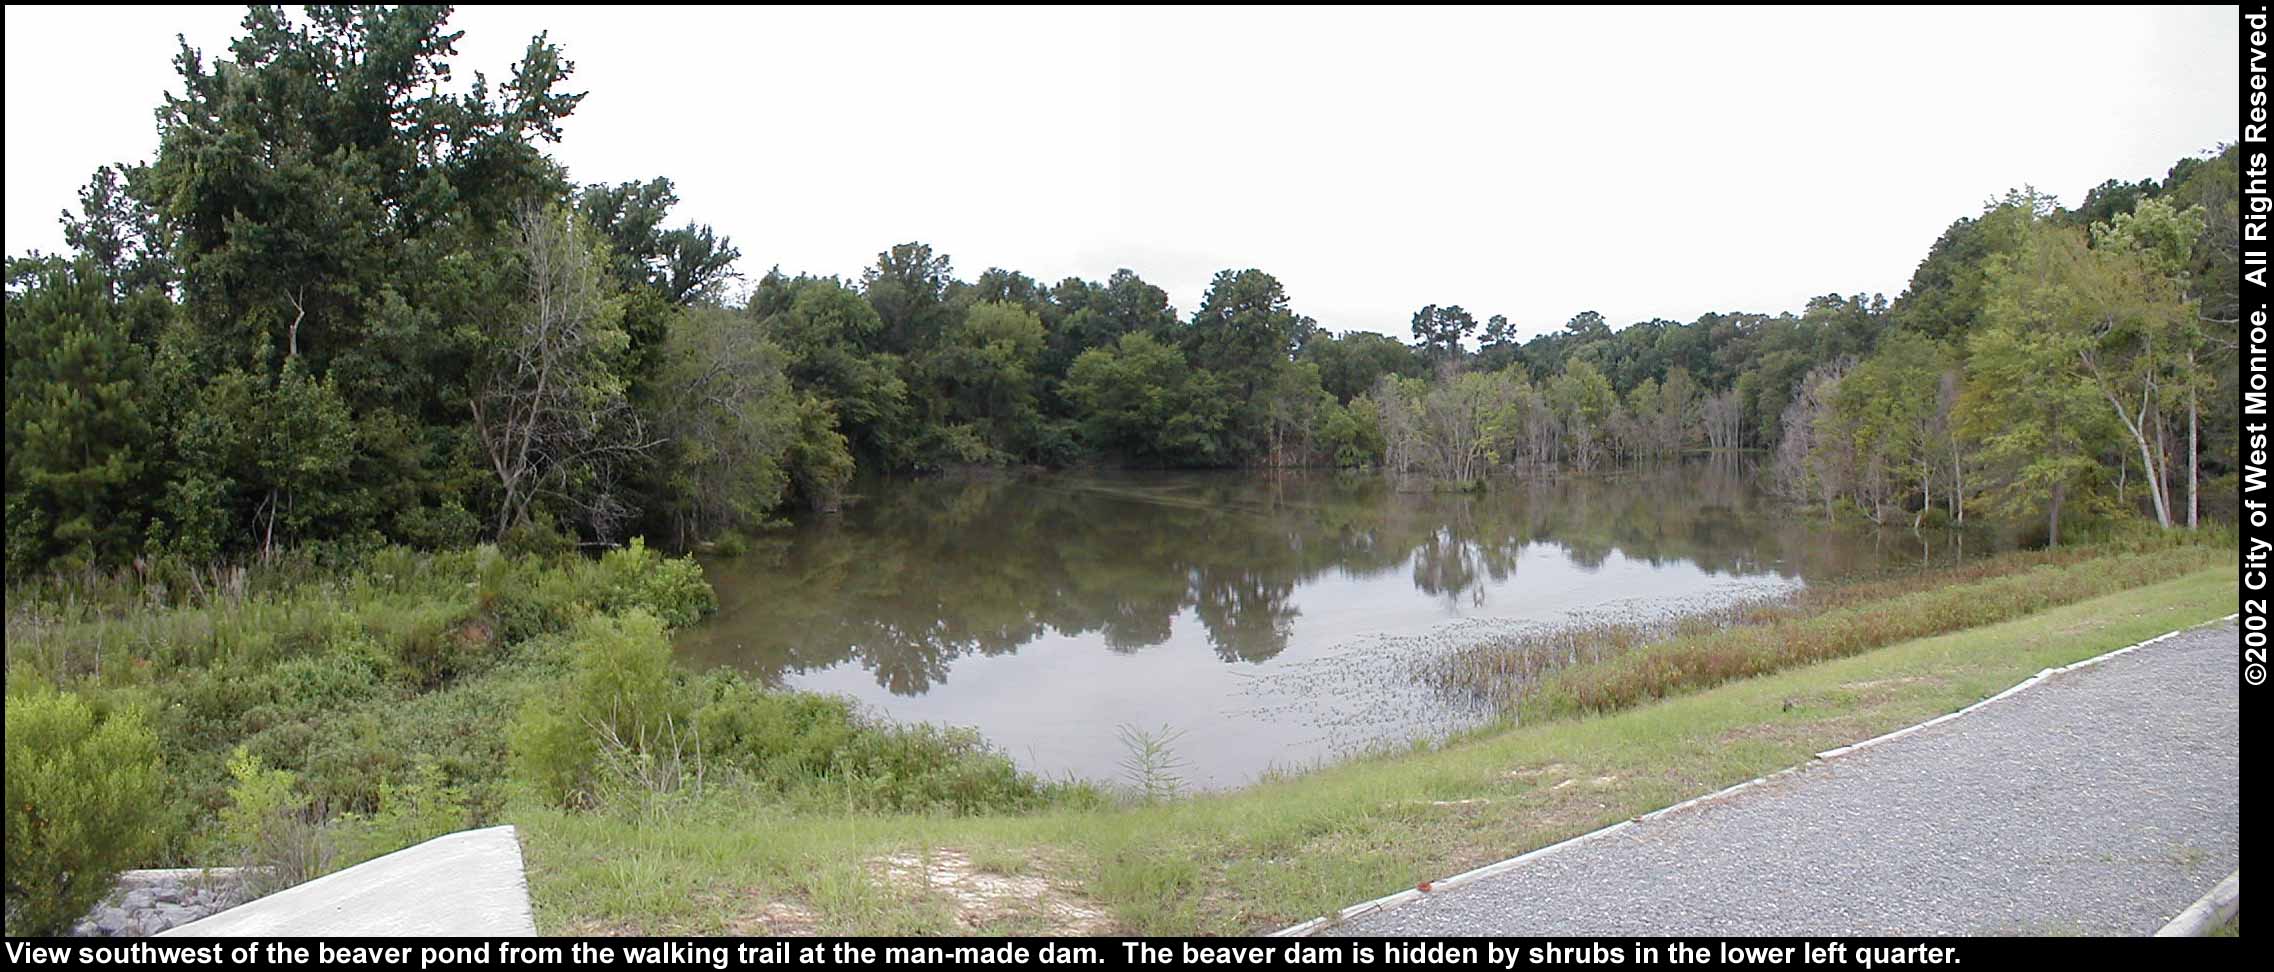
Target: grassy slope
1284 851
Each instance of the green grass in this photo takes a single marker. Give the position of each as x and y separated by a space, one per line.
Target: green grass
1288 850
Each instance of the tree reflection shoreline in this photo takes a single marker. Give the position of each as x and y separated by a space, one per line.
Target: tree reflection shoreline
926 572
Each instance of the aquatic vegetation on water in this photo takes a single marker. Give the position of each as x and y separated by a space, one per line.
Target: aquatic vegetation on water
1496 675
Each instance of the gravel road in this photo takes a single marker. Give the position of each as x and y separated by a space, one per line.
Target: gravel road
2100 801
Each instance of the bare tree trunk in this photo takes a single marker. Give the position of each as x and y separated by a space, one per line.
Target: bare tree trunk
2194 454
2147 462
2142 431
2053 517
1926 493
1957 483
292 332
268 533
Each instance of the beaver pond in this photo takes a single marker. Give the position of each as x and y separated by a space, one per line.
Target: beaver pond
1251 621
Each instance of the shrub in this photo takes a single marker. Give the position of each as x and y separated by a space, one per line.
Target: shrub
818 748
550 753
779 738
433 641
672 589
621 686
522 598
538 536
350 757
270 826
81 790
421 808
921 767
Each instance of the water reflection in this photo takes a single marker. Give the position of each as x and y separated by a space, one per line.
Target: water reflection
925 590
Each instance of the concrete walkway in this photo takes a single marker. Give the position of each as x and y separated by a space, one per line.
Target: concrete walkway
464 884
2100 801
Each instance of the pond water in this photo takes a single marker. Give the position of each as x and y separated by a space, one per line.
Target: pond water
1265 621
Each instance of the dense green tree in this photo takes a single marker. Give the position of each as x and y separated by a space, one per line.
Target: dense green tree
908 286
316 186
684 265
821 459
1351 363
2039 424
264 464
1142 400
120 232
1888 412
1243 334
659 270
1584 400
2150 340
1095 315
728 420
1497 345
1948 292
1000 286
1243 329
833 337
983 376
79 437
1439 331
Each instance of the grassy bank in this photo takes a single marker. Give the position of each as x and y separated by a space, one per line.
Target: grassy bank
1292 849
1606 667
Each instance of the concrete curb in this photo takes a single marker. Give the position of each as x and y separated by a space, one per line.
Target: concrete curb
465 884
2213 909
1316 925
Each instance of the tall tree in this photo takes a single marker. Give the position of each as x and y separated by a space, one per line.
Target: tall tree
549 408
729 419
683 265
1244 332
908 287
2162 327
2038 423
79 441
1439 331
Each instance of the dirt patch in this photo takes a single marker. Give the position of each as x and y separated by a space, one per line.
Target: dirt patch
775 918
1535 772
1809 734
1882 684
984 899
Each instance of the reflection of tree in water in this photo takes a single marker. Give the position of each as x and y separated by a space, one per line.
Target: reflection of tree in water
1247 616
924 572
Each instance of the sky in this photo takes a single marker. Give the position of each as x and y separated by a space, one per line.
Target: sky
1536 163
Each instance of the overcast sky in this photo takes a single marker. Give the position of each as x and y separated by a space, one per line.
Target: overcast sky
1535 163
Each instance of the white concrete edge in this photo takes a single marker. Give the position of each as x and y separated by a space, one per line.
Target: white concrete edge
1315 925
2210 911
468 882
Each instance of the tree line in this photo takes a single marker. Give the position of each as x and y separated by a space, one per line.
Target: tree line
342 307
